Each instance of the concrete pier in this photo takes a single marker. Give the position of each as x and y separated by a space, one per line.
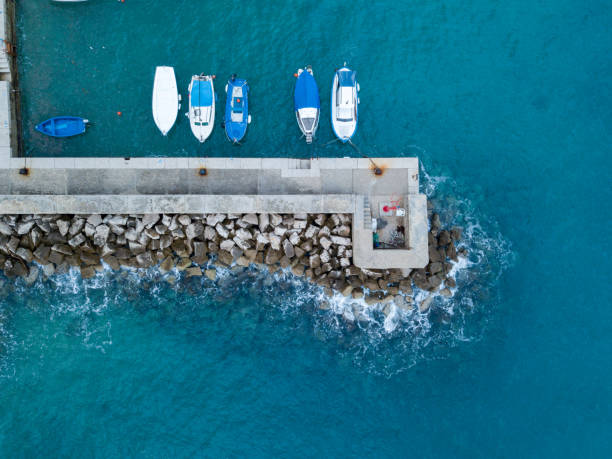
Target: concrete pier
239 185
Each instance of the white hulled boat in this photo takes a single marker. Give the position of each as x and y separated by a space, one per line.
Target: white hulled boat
201 112
344 102
166 99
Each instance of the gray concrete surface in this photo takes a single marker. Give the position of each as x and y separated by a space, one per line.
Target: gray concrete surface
227 180
177 203
417 253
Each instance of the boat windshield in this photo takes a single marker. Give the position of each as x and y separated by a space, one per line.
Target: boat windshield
345 114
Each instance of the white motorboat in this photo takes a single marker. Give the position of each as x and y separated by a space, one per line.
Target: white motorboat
201 112
344 102
166 99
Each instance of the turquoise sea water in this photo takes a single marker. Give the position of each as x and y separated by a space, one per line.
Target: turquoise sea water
508 106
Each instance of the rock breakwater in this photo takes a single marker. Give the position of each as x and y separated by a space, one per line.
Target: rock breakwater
318 247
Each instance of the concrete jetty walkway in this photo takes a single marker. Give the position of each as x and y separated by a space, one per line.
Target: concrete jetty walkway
238 185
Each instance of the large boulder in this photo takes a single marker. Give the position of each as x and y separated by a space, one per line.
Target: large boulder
112 262
275 219
221 231
199 252
242 243
343 230
311 231
314 261
94 219
435 267
288 248
77 240
42 253
225 258
264 222
339 240
101 235
444 238
131 234
62 248
210 234
244 234
87 272
211 274
251 219
167 264
425 304
145 259
194 271
24 254
62 226
118 220
149 220
275 241
5 229
455 234
272 256
184 220
214 219
194 230
227 245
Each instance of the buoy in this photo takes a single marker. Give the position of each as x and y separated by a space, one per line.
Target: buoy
295 75
119 113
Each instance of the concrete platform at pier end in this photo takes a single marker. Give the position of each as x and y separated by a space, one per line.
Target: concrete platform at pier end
224 185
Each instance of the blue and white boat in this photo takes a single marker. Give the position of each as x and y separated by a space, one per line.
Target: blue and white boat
62 126
201 112
307 103
237 116
344 102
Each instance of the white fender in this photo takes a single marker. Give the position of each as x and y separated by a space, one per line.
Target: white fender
249 120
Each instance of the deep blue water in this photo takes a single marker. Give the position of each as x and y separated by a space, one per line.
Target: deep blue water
507 104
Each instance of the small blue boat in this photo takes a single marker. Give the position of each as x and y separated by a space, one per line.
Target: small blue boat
62 126
307 102
237 116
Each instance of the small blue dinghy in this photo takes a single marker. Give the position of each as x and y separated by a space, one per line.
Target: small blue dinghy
62 126
237 116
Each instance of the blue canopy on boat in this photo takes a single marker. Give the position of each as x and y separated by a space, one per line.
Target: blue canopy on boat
346 78
201 94
236 109
306 92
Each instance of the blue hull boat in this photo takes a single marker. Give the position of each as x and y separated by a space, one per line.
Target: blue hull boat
307 103
237 116
62 126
